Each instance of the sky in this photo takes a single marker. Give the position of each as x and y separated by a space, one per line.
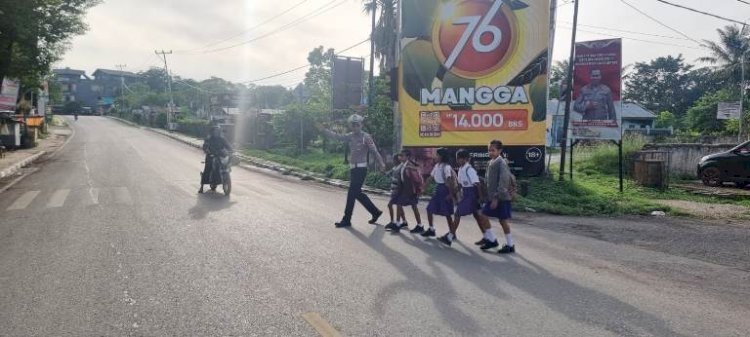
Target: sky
247 40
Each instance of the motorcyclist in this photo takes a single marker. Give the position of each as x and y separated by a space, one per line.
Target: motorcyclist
216 145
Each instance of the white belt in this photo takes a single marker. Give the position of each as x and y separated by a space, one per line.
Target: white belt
358 165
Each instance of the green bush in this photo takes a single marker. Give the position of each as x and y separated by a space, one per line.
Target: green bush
604 157
194 127
161 120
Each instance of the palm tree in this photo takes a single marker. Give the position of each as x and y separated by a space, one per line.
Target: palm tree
728 52
385 35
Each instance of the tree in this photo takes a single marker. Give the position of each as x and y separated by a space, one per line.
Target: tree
385 35
557 78
726 55
318 77
666 84
702 116
665 120
270 97
33 34
379 122
155 78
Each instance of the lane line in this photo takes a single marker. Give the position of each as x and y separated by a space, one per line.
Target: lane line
24 201
58 198
320 325
94 194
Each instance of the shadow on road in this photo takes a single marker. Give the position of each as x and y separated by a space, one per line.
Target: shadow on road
435 287
209 202
490 272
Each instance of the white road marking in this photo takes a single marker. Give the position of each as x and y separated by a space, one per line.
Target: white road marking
24 201
58 198
94 194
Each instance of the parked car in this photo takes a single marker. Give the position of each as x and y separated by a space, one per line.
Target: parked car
732 166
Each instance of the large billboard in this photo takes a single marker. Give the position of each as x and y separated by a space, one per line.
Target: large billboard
597 107
347 77
472 71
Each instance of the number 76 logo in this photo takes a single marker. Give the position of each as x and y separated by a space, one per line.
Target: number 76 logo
474 38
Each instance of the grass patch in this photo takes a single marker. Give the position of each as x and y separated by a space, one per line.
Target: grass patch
318 161
591 195
58 121
593 192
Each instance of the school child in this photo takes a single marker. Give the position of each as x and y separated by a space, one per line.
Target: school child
410 189
501 188
395 189
469 204
443 198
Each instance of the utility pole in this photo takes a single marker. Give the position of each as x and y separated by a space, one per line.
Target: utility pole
743 87
169 84
122 85
569 96
371 82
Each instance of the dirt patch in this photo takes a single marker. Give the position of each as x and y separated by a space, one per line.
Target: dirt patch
708 211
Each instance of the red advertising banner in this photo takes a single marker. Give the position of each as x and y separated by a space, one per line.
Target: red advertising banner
9 94
597 90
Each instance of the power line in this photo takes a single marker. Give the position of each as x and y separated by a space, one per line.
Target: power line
630 31
302 19
700 12
304 66
661 23
635 39
744 2
282 13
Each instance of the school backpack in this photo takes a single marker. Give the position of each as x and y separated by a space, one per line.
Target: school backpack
452 184
415 179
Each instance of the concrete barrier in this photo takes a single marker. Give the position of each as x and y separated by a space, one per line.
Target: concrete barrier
684 158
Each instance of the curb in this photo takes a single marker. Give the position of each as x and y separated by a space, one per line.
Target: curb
264 164
18 166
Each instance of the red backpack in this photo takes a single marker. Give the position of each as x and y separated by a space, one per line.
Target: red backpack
415 178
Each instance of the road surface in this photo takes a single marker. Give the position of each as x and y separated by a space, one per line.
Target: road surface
109 238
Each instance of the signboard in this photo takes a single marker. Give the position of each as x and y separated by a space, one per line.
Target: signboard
347 77
597 108
472 71
728 110
9 94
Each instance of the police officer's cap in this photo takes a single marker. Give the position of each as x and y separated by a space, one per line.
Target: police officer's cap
356 119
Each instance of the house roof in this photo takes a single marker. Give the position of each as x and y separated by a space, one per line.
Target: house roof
114 73
68 71
629 110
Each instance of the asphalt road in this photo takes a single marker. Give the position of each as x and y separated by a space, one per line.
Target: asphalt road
109 238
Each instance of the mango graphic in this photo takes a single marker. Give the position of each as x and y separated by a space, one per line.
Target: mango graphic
418 17
420 65
538 96
455 82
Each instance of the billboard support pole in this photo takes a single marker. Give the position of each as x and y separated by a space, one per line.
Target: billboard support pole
621 172
572 145
569 85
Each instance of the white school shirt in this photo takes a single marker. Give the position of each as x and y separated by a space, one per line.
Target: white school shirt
440 177
467 176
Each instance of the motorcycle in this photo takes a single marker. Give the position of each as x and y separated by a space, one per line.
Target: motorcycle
221 167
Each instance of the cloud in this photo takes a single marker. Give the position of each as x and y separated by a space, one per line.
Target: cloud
128 32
